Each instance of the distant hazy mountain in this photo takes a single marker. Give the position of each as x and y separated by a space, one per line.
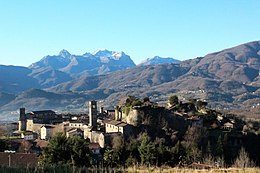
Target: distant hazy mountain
14 79
158 60
6 98
36 99
137 77
100 62
227 79
48 77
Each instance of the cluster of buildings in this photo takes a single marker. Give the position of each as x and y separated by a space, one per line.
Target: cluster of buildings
36 128
99 127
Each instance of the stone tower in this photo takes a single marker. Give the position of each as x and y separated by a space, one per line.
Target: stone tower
101 110
93 114
22 120
118 114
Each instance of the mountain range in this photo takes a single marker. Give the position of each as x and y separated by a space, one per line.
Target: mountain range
158 60
228 79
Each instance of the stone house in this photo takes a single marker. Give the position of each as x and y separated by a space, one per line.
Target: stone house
28 135
74 132
118 126
46 132
228 126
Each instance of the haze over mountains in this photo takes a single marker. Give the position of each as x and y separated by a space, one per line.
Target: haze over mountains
227 79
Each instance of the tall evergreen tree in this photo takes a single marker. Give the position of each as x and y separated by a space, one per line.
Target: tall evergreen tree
147 150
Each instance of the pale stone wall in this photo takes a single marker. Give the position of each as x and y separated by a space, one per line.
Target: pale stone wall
22 125
111 128
59 128
133 117
101 140
37 128
94 137
46 133
118 114
29 125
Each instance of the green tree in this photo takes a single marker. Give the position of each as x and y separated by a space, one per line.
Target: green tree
146 150
63 150
132 149
208 149
112 157
178 154
160 153
219 148
57 151
192 143
3 145
146 99
173 100
130 99
136 103
79 151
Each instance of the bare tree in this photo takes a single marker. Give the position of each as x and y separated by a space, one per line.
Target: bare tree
243 160
217 162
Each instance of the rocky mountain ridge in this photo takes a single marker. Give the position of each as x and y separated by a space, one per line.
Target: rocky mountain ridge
158 60
100 62
227 79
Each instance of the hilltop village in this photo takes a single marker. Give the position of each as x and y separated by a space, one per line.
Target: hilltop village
97 126
177 124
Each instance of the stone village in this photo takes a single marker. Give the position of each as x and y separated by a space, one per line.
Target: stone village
98 127
36 128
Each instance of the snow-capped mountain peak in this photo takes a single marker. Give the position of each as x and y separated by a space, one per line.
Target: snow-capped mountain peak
102 53
158 60
64 53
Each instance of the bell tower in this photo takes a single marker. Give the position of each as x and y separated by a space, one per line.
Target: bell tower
22 120
93 114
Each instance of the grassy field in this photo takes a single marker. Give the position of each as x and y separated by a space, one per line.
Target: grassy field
68 169
186 170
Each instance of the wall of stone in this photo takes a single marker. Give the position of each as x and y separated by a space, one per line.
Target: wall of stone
134 117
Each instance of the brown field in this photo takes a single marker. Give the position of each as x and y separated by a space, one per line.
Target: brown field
187 170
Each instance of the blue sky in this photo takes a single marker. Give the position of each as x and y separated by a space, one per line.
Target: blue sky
182 29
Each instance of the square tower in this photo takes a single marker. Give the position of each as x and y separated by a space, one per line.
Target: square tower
22 120
93 114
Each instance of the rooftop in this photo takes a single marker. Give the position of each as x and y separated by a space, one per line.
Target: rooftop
94 146
43 111
18 159
116 123
41 143
74 130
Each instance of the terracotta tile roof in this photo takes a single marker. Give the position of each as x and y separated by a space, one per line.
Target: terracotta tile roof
41 143
116 123
18 159
94 146
74 130
113 122
48 126
122 124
